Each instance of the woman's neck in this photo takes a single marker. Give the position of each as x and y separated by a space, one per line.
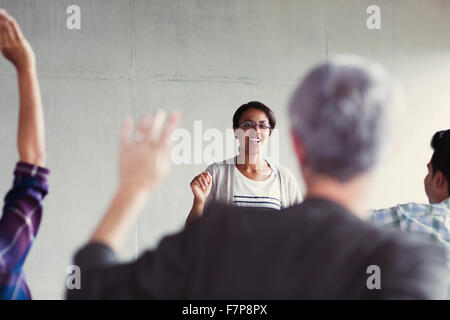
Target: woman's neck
250 161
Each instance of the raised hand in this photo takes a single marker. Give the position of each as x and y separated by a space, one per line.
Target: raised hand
13 44
201 186
144 163
145 160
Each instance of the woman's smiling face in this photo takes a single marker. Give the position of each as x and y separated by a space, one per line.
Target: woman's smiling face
254 131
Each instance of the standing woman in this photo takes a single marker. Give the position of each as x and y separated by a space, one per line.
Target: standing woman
248 179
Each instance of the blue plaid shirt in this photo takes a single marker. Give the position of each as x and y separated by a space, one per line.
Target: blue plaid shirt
428 221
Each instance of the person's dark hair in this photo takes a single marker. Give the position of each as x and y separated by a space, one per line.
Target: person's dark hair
254 105
441 156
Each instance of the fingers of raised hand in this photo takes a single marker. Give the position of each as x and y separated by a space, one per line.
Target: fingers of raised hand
197 182
205 180
143 132
3 27
9 29
157 128
125 133
16 31
171 124
153 129
207 176
198 185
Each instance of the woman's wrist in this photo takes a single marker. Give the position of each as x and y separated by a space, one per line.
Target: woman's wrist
198 205
26 69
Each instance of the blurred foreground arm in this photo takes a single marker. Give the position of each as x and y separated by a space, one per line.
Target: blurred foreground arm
144 163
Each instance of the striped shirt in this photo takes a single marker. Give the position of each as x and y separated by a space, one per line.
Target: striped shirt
256 194
429 221
19 223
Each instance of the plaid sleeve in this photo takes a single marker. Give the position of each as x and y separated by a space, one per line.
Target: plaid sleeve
388 217
430 222
21 216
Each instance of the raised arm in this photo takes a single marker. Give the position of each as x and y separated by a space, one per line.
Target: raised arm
31 130
144 163
22 210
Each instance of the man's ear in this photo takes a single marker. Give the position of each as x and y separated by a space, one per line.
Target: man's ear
439 181
298 148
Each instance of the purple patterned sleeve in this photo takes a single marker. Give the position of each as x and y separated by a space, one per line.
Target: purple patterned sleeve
22 212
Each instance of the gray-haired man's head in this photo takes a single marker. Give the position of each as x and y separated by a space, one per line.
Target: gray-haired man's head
340 113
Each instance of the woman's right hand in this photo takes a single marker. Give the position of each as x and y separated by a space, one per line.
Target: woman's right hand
201 186
14 45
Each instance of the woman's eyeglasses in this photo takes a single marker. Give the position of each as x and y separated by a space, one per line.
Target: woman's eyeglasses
248 124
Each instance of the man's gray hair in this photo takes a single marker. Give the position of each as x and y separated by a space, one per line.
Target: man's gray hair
340 112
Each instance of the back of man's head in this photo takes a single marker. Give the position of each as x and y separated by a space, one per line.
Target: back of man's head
340 113
440 161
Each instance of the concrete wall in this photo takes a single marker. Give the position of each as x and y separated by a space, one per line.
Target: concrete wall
205 58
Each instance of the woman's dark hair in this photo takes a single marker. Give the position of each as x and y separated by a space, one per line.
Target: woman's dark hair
254 105
441 156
